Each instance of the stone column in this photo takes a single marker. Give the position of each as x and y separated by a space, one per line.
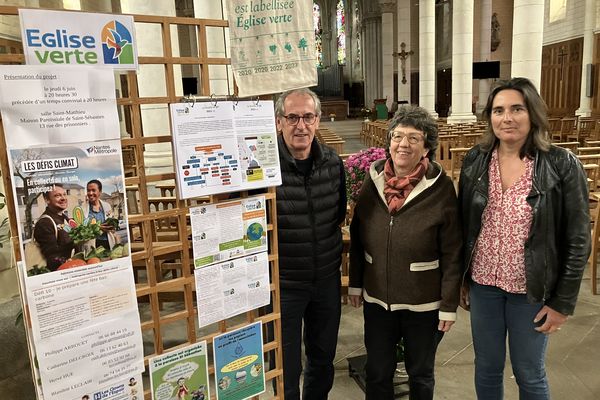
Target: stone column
403 18
372 55
528 33
462 62
585 103
427 56
485 34
388 8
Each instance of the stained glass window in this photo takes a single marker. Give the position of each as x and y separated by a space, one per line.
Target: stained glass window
357 30
318 31
340 22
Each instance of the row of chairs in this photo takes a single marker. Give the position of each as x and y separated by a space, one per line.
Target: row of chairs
576 129
331 139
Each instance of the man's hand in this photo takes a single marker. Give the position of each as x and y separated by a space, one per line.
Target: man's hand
355 300
553 321
465 301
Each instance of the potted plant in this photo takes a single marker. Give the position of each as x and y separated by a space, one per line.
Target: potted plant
357 166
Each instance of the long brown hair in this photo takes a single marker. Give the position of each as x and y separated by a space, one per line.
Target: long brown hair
537 139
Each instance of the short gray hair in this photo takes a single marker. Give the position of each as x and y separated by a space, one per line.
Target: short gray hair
279 108
419 118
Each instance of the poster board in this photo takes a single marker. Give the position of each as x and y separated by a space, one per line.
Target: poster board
158 224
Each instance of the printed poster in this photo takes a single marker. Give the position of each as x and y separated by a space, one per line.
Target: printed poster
65 162
233 287
224 147
239 363
47 105
181 374
228 230
76 38
272 45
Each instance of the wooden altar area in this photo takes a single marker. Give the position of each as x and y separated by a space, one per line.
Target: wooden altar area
340 108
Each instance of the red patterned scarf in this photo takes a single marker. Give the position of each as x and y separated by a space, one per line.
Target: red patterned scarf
397 189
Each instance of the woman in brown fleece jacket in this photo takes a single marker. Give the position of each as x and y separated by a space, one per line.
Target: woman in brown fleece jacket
405 256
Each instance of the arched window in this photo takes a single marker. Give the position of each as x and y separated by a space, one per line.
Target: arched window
318 31
356 29
340 22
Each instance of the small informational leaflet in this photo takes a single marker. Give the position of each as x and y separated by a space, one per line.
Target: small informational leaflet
272 45
76 38
181 374
239 363
228 230
232 287
129 388
223 147
47 105
257 144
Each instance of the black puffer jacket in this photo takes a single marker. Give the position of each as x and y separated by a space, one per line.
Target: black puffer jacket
559 243
308 217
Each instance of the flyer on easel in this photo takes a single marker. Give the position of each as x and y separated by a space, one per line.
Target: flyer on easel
65 160
232 287
224 147
228 230
181 374
239 363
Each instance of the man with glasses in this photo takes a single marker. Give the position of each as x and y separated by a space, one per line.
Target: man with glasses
55 244
311 204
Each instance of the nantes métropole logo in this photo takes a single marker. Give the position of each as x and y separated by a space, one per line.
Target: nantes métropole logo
117 44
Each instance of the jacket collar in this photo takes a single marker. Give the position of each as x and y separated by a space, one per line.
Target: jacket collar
434 172
316 152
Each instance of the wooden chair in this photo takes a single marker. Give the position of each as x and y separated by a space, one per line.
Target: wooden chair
585 127
592 171
568 145
589 159
457 155
554 129
588 150
568 126
593 261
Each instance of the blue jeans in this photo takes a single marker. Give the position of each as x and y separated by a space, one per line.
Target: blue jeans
494 313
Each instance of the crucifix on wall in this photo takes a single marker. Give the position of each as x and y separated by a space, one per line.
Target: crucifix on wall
403 56
561 56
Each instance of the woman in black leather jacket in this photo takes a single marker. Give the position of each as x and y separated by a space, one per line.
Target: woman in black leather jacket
525 214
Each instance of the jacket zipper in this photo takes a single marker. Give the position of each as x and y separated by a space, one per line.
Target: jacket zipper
312 224
387 261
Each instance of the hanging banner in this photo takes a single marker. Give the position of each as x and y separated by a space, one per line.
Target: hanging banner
76 38
272 45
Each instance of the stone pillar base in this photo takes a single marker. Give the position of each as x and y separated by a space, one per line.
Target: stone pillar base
466 118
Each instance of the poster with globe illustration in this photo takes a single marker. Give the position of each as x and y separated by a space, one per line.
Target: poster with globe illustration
228 230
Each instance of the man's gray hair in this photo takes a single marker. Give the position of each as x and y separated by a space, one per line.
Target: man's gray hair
279 108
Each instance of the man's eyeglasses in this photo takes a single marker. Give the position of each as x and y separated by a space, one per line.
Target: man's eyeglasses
294 119
412 139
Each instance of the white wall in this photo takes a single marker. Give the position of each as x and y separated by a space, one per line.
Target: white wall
567 28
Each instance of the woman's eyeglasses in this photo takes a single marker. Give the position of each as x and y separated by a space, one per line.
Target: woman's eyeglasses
294 119
412 139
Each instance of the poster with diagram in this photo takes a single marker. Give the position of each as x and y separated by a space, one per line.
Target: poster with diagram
224 147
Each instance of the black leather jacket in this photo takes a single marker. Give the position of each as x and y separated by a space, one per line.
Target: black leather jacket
559 243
